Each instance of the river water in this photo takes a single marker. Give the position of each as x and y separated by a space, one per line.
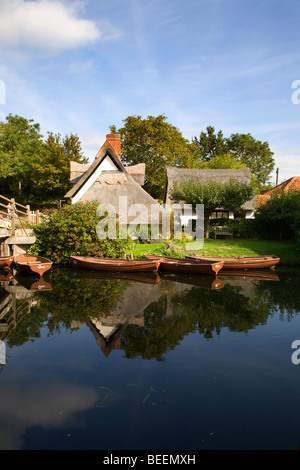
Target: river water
91 361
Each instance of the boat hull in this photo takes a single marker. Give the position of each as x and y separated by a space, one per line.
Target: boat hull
6 261
181 265
30 264
113 265
246 262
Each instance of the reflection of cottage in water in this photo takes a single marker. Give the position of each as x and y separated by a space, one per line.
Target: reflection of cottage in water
129 310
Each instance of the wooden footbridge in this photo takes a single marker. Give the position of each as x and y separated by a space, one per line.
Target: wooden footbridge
15 221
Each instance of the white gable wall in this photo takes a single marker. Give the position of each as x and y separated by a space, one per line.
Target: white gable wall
106 165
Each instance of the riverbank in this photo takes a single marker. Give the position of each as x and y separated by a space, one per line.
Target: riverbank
287 251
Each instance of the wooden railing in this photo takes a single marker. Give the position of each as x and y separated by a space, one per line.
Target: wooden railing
15 214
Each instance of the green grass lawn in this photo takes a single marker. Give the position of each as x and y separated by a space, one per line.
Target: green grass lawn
288 252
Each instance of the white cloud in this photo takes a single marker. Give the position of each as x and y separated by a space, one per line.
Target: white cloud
51 405
47 24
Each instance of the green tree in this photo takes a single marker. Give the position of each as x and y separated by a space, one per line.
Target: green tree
33 170
156 143
225 161
256 155
50 176
209 145
21 144
212 194
212 148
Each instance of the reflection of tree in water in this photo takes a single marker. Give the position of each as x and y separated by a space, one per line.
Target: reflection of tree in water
69 300
28 329
156 336
17 324
77 300
197 309
283 296
179 309
228 308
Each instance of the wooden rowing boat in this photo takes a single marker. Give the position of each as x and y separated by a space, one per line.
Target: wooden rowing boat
6 261
114 265
242 262
181 265
31 264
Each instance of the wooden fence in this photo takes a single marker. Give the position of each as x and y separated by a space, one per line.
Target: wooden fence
16 215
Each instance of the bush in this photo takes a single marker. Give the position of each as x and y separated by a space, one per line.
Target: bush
296 227
279 218
241 227
72 231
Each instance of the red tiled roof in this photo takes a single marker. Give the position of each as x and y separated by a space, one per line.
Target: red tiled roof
288 185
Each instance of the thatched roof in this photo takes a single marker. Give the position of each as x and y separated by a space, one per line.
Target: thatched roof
109 187
184 174
91 169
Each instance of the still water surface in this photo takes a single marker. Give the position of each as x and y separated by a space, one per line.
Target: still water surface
148 362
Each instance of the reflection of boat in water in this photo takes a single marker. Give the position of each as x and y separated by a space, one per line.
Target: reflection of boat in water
194 280
255 275
217 284
150 277
31 264
33 285
6 276
241 262
113 265
181 265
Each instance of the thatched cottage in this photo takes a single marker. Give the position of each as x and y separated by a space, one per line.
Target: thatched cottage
179 175
107 180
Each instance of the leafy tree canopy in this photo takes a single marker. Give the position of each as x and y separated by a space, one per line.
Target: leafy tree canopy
243 148
209 145
21 144
225 161
34 170
51 173
156 143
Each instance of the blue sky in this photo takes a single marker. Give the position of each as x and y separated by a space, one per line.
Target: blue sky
81 66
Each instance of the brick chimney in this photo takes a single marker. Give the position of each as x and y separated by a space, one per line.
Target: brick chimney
115 142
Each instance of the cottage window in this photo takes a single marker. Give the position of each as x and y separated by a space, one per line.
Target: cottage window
219 215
